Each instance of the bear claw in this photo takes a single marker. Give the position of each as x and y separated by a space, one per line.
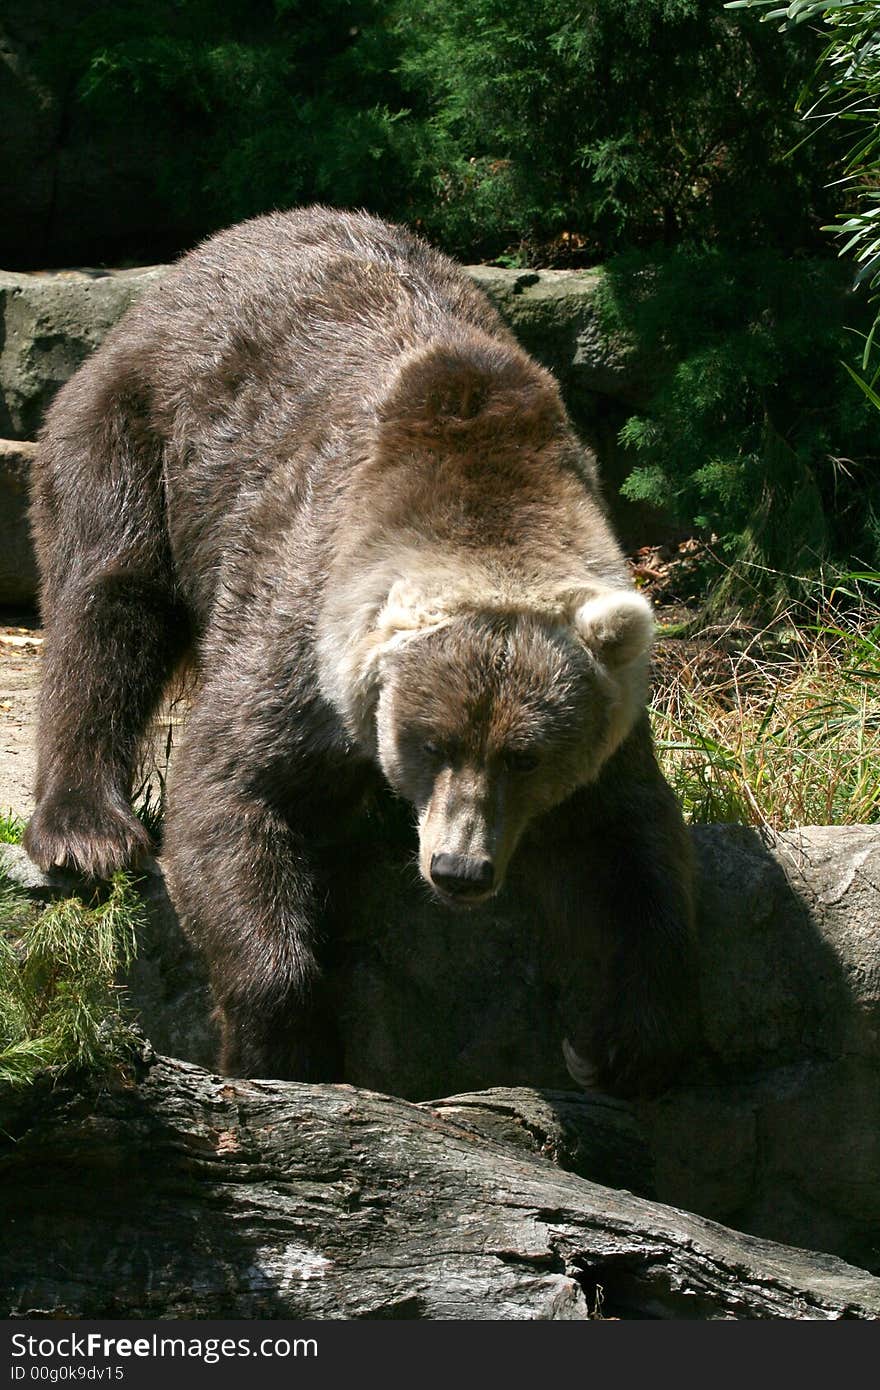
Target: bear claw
580 1069
91 840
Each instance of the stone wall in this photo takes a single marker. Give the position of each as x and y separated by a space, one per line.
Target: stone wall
51 321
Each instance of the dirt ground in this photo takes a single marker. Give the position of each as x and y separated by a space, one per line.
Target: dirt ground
20 646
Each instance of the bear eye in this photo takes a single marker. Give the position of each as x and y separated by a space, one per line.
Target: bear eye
518 760
432 749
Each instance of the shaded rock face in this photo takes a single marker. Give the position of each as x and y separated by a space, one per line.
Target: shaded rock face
49 324
554 314
785 1107
775 1126
18 566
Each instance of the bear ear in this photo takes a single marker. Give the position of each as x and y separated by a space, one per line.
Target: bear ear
406 613
617 626
453 391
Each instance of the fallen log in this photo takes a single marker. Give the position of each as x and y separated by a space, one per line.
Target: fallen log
775 1126
184 1195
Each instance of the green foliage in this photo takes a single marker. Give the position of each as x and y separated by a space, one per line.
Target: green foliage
620 122
743 432
661 132
519 130
843 93
239 106
60 1007
11 828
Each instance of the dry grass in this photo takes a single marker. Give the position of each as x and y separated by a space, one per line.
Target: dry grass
778 727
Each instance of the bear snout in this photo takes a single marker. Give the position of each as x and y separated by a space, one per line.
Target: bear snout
462 877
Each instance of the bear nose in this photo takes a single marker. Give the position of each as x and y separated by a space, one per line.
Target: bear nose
455 873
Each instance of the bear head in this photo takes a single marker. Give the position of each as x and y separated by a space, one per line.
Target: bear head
478 637
486 718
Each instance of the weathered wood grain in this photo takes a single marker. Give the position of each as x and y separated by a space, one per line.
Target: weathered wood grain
187 1195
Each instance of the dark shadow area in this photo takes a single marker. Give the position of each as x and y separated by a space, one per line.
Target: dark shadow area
773 1130
774 1127
124 1214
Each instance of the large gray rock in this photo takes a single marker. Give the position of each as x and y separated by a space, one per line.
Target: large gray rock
554 314
18 567
775 1127
779 1129
49 324
52 320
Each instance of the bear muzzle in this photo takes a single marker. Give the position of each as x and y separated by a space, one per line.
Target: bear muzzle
462 878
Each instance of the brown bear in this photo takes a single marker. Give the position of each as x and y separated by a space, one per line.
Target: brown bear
314 458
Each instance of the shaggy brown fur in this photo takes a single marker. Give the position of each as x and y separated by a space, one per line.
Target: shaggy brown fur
315 457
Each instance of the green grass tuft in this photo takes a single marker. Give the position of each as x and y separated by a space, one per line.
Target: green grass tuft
11 828
61 1008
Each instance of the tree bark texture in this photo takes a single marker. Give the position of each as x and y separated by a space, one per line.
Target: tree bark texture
188 1195
774 1127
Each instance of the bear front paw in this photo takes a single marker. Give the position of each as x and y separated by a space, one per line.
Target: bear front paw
93 837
